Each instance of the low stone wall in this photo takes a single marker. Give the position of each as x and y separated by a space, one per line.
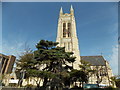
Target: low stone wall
12 88
62 89
4 88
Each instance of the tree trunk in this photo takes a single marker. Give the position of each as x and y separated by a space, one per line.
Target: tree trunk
45 81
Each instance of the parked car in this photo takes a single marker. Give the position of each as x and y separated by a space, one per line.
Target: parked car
88 86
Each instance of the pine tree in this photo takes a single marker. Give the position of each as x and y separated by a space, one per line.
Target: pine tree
54 59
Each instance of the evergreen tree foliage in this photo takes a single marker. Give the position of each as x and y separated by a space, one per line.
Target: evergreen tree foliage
53 59
51 65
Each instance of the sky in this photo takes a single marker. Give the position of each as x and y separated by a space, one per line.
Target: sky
29 22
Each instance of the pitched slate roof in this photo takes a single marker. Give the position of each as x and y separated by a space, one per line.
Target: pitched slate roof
94 60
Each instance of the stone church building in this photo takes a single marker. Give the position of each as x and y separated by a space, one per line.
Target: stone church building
67 37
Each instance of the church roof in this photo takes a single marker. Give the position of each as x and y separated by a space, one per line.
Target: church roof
94 60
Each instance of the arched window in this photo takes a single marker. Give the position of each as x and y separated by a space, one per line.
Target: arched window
69 29
64 29
12 78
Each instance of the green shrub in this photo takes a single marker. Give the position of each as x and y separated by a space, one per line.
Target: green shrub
3 84
29 85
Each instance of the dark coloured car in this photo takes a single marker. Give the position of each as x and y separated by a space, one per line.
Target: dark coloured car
88 86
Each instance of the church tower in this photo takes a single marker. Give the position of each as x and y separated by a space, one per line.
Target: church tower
67 36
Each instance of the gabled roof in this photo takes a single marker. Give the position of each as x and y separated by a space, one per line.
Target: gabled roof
94 60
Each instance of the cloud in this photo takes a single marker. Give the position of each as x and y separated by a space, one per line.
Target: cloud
12 49
115 49
113 29
114 60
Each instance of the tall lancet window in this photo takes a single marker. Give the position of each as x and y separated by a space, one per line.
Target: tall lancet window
64 29
69 29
